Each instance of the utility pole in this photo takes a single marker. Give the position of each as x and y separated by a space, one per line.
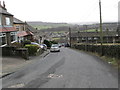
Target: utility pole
70 36
86 40
101 32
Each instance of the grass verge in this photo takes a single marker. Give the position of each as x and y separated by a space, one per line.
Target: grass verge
112 61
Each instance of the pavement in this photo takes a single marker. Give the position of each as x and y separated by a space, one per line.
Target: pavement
65 69
12 64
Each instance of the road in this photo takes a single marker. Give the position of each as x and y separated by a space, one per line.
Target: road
66 69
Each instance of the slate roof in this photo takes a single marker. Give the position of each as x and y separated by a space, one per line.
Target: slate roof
30 28
94 34
24 33
3 10
17 21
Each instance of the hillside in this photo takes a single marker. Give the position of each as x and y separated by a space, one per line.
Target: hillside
45 25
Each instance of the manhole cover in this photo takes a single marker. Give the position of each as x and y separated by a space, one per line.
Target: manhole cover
17 86
54 76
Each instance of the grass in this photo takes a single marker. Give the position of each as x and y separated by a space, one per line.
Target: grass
55 38
99 44
112 61
90 30
39 27
49 26
60 32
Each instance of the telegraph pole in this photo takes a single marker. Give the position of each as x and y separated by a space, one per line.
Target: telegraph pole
86 40
101 32
70 36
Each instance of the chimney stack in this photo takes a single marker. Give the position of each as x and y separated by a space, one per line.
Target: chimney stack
0 4
4 4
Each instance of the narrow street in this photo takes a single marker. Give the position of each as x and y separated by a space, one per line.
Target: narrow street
65 69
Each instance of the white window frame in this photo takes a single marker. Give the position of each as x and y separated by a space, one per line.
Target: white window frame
14 34
7 21
3 35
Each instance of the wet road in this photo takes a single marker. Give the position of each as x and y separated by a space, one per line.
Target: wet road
65 69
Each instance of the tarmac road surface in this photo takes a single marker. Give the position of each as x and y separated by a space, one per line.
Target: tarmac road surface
65 69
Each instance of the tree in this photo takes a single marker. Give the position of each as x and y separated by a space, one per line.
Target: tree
54 42
48 43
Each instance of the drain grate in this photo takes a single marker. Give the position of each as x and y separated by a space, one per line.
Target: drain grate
54 76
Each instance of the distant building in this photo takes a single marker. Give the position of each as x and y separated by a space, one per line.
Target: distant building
8 34
94 37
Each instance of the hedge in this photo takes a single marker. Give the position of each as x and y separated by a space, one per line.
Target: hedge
32 49
107 50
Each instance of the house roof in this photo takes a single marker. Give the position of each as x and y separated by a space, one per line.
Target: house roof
24 33
17 21
7 29
30 28
3 10
93 34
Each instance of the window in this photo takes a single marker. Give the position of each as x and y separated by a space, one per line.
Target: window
17 28
7 19
2 39
13 36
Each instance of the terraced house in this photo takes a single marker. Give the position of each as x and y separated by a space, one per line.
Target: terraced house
8 34
24 30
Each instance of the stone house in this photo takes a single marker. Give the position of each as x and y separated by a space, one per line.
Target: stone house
94 37
24 32
8 34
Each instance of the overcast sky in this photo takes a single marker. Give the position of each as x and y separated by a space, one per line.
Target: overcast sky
63 10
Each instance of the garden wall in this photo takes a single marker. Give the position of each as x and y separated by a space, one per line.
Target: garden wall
107 50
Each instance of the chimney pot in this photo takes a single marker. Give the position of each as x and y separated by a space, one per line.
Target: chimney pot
4 4
0 3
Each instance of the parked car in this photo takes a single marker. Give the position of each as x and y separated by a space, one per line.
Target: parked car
67 45
34 43
55 48
44 46
59 45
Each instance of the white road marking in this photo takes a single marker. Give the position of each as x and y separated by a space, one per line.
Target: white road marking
54 76
17 86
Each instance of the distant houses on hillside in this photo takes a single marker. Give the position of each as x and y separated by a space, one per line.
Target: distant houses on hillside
94 37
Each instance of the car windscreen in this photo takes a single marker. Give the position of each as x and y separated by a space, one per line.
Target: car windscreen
54 45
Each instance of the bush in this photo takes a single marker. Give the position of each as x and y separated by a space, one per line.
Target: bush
16 44
54 42
32 49
48 43
26 42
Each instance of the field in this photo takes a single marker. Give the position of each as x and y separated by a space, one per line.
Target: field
39 27
45 25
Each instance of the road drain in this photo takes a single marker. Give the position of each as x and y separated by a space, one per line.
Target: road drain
17 86
54 76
